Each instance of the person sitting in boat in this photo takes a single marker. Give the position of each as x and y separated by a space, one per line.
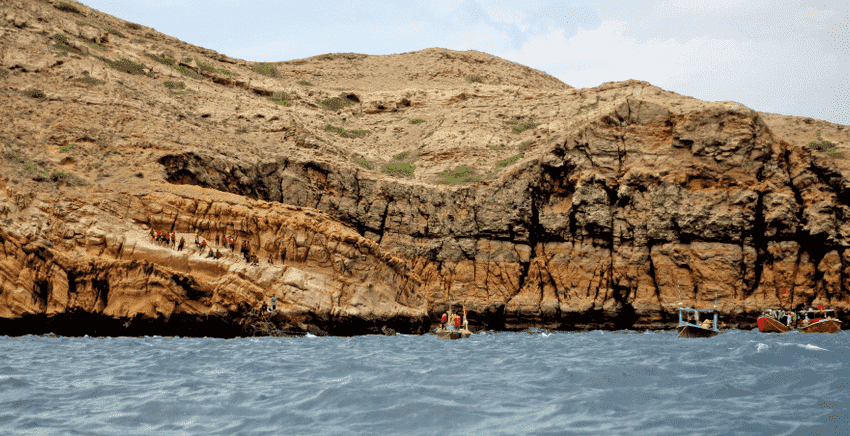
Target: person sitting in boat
443 320
457 322
706 324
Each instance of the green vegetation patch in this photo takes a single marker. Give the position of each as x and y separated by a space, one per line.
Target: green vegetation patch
548 141
174 85
473 78
96 46
65 7
132 26
186 71
304 83
125 65
509 161
429 134
61 44
346 133
523 126
281 98
161 59
524 145
242 130
205 67
266 69
825 147
35 93
360 160
88 80
417 121
335 103
461 175
398 169
4 73
402 156
67 148
138 40
588 106
226 72
113 32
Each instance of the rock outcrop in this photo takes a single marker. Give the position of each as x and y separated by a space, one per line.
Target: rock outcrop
430 178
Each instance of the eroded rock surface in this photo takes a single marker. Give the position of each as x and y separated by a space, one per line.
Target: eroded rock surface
399 184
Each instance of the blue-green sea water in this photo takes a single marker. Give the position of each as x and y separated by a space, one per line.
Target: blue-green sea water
605 383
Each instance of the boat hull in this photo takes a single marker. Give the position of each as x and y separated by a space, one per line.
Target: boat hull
825 326
453 334
770 325
689 331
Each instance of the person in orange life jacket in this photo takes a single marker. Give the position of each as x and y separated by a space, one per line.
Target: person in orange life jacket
443 320
203 245
457 322
182 243
270 259
211 254
173 240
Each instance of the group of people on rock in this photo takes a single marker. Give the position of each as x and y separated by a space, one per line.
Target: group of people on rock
170 240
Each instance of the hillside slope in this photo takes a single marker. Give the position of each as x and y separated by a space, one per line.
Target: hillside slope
407 182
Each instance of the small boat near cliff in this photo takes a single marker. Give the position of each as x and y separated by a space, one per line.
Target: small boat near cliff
451 326
770 321
696 329
826 321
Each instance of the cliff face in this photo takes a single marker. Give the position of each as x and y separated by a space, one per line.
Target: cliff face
636 212
461 178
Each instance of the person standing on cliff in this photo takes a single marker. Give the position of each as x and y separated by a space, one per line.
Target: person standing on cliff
173 240
216 239
283 255
182 243
270 260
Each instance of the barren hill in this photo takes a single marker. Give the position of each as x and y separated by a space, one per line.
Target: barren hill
397 184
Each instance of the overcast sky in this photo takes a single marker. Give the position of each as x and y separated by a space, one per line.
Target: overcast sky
783 56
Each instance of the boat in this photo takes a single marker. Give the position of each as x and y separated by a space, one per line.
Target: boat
696 329
770 321
826 321
451 326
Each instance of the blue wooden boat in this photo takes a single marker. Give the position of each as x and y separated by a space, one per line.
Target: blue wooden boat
694 328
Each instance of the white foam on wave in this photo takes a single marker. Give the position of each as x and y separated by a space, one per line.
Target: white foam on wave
310 335
813 347
761 347
546 335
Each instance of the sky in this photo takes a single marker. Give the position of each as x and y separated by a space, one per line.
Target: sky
790 57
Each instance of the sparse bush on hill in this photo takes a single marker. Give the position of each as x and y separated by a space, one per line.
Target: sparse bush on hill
825 147
519 127
61 44
524 145
205 67
161 59
226 72
4 73
113 32
138 40
552 139
88 80
67 148
186 71
473 78
346 133
402 156
36 94
281 98
266 69
304 83
174 85
133 26
398 169
417 121
509 161
65 7
96 46
335 103
588 106
461 175
360 160
125 65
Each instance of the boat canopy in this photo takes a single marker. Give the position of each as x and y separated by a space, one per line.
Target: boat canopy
697 310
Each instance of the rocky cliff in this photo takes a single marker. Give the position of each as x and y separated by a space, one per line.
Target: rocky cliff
399 184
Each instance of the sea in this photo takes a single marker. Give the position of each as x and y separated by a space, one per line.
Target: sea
529 383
